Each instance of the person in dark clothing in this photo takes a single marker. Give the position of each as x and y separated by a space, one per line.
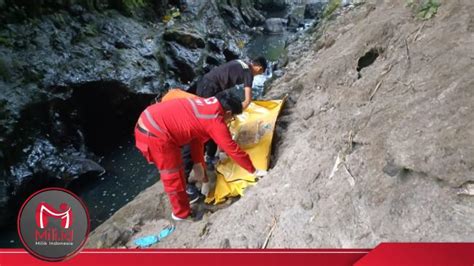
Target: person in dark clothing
228 75
224 77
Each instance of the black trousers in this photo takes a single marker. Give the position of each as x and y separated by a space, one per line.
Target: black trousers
187 161
207 88
204 88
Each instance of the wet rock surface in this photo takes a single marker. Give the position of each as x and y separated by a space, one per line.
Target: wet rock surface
57 60
313 10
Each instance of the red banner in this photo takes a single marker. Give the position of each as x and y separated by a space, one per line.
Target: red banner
420 254
191 257
387 254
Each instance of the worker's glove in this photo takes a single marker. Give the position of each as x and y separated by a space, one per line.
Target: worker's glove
260 173
206 188
199 173
222 156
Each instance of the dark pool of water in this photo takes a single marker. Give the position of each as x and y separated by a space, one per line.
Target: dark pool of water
269 46
127 175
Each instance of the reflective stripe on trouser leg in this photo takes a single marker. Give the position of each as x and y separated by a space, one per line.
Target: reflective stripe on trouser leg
175 186
167 158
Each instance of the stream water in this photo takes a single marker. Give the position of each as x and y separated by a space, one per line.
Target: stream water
127 175
269 46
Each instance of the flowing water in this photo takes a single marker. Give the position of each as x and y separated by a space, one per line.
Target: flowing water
270 46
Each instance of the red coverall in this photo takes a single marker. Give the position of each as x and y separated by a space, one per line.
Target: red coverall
178 122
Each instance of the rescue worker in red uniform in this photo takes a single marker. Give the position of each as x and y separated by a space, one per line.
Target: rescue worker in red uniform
164 127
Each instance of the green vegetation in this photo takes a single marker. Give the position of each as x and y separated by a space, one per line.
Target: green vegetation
429 9
132 4
129 6
241 43
91 30
332 6
171 14
424 9
58 20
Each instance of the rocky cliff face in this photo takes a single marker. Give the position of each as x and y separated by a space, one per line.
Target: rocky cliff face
72 70
375 143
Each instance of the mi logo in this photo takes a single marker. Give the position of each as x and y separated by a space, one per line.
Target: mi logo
53 224
44 212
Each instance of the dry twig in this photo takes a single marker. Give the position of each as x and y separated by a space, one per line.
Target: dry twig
408 52
267 239
379 83
419 31
351 180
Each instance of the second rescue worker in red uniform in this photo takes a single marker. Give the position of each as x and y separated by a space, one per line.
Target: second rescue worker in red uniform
164 127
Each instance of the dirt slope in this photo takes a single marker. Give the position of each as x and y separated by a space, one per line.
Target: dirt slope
381 154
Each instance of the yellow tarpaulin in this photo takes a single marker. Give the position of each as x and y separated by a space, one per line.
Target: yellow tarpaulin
253 131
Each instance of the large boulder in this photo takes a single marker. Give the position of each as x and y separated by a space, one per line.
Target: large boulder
296 17
182 61
186 36
44 159
234 18
295 21
275 25
251 16
241 14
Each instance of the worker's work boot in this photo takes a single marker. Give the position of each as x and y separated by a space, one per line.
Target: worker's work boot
193 217
189 218
193 193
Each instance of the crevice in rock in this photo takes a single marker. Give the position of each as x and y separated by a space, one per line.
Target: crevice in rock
367 59
107 113
355 145
229 55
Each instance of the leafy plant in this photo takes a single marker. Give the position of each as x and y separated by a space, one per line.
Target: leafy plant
91 30
241 43
428 9
409 3
331 7
171 14
424 9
